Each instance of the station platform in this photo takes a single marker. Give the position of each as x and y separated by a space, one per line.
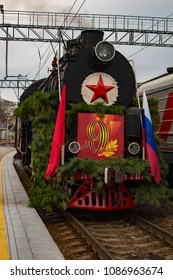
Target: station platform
23 235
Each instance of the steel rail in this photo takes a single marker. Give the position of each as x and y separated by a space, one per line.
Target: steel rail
160 232
96 245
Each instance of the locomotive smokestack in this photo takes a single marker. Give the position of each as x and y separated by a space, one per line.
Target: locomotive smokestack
170 70
90 38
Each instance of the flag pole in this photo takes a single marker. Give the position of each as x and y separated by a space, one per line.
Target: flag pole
139 106
59 79
143 134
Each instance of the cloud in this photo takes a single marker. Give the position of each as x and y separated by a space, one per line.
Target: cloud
32 5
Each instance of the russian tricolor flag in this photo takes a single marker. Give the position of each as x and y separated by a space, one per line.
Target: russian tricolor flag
150 145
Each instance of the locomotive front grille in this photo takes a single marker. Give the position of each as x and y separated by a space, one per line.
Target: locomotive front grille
108 199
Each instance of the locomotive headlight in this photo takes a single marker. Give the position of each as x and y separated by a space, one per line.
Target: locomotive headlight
105 51
74 147
134 148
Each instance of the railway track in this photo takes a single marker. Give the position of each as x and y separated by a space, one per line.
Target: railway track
69 238
133 238
112 236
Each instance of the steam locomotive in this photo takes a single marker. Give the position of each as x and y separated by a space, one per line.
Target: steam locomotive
95 73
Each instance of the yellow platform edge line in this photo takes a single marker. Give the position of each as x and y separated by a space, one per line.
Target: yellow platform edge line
4 251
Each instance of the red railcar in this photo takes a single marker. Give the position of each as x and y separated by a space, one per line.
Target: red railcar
161 88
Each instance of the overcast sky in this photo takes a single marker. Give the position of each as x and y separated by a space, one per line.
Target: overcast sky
24 57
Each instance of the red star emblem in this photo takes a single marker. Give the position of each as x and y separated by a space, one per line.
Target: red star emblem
100 90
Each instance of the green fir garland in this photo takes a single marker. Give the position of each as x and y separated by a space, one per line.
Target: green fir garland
41 109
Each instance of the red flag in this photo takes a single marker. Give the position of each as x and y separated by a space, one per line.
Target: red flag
58 137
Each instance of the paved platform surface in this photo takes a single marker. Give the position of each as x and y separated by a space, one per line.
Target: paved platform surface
27 237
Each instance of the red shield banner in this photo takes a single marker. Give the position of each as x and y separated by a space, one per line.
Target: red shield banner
100 137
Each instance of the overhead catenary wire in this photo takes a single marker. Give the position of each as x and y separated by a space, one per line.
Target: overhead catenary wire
69 11
143 48
50 53
77 12
138 36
